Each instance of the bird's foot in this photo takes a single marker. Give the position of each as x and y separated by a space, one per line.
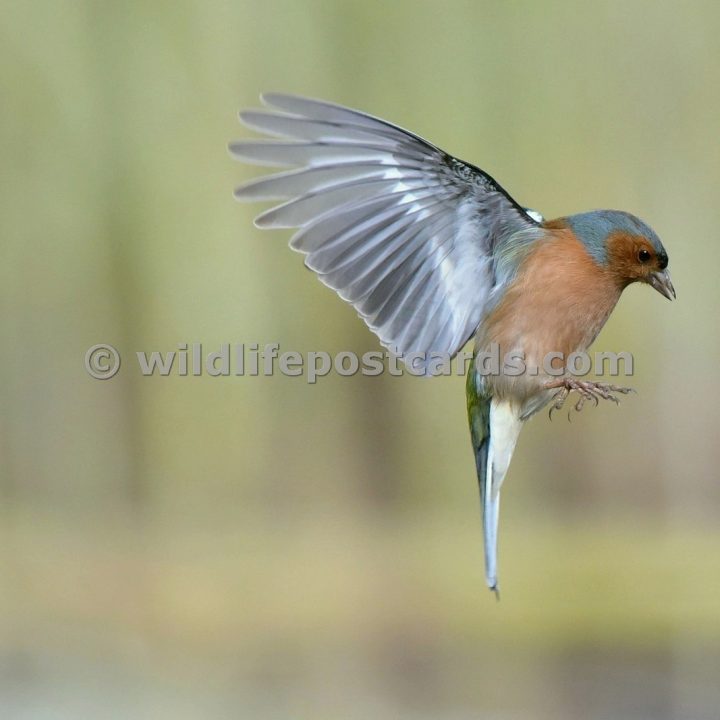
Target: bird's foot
586 389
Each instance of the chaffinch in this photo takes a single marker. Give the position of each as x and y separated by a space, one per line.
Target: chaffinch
431 251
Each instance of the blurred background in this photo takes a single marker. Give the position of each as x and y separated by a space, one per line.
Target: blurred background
256 547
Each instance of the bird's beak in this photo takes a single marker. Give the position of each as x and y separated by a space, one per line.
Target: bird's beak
661 282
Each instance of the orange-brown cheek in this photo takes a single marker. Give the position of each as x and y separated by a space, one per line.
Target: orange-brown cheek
623 263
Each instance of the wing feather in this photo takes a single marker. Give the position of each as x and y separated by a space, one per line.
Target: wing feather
405 232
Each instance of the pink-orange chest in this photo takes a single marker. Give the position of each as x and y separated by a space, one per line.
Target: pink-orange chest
558 302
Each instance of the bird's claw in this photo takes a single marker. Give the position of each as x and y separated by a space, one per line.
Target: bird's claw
587 390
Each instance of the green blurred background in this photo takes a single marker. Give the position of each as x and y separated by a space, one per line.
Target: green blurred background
241 547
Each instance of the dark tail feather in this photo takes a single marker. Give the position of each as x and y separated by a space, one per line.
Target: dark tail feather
478 407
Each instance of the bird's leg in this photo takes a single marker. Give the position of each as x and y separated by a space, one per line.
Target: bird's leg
588 390
560 397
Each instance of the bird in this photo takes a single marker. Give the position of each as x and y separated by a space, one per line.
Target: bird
432 253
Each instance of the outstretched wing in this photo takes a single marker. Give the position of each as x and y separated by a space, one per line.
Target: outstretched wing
400 229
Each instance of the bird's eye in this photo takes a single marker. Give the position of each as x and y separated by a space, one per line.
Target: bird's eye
643 256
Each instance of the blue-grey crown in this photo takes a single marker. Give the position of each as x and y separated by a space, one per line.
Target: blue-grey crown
593 229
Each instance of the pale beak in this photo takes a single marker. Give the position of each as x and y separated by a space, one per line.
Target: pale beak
661 282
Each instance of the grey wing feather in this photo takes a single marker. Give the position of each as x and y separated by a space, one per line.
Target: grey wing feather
400 229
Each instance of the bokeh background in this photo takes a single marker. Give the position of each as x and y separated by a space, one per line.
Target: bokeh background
238 547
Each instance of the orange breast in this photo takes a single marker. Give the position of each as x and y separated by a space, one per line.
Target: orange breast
558 302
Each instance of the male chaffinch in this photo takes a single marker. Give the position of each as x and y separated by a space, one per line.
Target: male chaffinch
431 252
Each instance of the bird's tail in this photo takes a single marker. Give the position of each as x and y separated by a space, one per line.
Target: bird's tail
494 428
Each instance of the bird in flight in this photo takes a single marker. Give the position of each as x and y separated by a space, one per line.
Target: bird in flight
432 252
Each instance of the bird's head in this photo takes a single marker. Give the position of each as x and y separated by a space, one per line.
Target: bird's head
625 246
